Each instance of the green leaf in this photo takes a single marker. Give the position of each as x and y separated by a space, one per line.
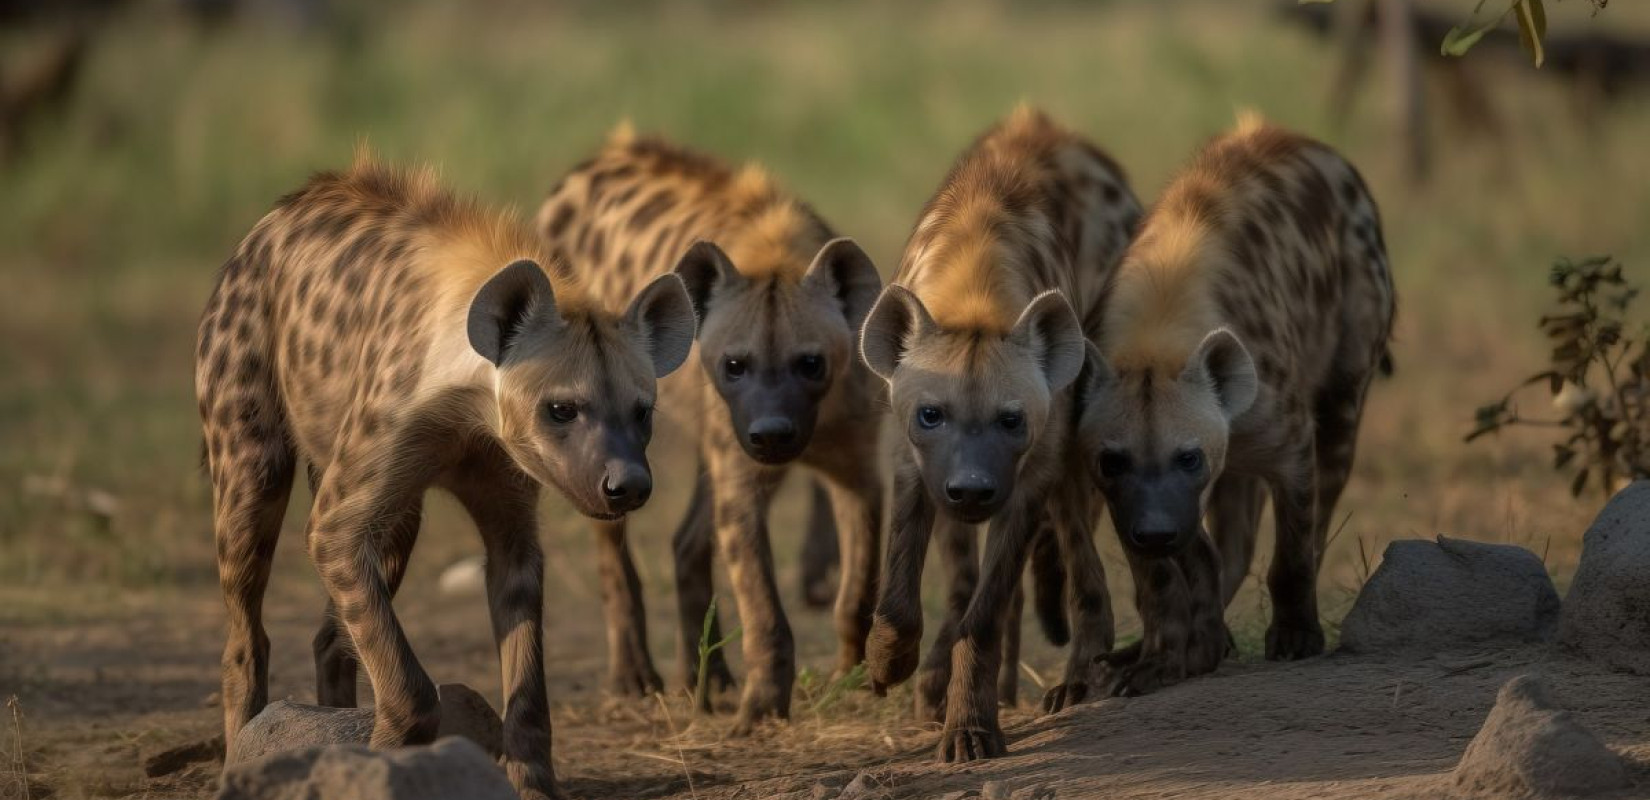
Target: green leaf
1462 37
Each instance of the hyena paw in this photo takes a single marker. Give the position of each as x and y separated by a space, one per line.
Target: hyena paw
1144 675
1292 642
764 699
1065 695
891 652
930 693
963 743
818 592
632 677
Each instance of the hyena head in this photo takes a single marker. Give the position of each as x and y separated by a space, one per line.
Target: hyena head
575 386
773 344
972 403
1155 434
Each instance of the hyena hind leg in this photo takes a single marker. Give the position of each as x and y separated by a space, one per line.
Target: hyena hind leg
252 465
820 550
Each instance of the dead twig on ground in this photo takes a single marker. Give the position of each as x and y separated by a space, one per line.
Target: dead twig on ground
17 730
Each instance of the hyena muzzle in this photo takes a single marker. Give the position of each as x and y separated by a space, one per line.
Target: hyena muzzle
779 382
1236 344
394 338
979 342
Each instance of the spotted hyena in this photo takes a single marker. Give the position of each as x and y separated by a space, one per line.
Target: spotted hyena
979 341
1236 342
781 299
395 338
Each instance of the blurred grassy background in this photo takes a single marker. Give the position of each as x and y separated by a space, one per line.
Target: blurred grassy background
180 136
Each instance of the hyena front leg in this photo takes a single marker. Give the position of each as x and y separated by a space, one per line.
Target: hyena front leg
1159 658
336 666
821 549
357 492
1295 632
1090 602
1008 670
741 492
630 671
1210 640
971 727
1235 505
959 555
896 627
856 500
692 546
504 504
252 467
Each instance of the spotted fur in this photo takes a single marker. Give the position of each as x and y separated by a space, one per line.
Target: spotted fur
393 337
778 383
979 338
1236 343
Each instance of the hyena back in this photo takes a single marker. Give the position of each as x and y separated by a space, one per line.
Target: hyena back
779 381
395 338
979 341
1237 342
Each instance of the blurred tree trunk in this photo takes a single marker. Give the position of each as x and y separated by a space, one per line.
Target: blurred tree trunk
1397 33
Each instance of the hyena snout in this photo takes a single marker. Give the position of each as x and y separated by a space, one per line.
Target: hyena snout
971 492
626 485
773 434
1154 520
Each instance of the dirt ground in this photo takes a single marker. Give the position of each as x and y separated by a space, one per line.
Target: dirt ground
103 687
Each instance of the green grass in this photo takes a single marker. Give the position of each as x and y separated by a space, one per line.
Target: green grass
112 225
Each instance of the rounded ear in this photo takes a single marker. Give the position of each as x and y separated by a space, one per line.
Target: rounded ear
1048 329
842 270
702 268
510 303
1097 372
1223 361
662 319
894 322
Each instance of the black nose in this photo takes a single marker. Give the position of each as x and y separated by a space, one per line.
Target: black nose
772 432
973 490
1152 538
626 485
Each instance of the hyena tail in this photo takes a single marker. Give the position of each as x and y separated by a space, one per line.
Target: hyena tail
1048 576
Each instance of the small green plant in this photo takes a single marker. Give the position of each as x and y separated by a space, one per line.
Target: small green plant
1599 378
706 648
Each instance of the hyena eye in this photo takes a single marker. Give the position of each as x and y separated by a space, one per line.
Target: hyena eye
563 413
811 366
1114 463
734 368
644 414
930 416
1011 420
1189 460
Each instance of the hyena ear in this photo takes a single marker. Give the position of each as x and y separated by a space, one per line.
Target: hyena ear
1048 329
702 268
514 302
894 323
661 317
844 271
1224 362
1096 375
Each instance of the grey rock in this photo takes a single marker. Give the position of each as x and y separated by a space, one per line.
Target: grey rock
284 725
451 767
1530 748
1452 593
1607 612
